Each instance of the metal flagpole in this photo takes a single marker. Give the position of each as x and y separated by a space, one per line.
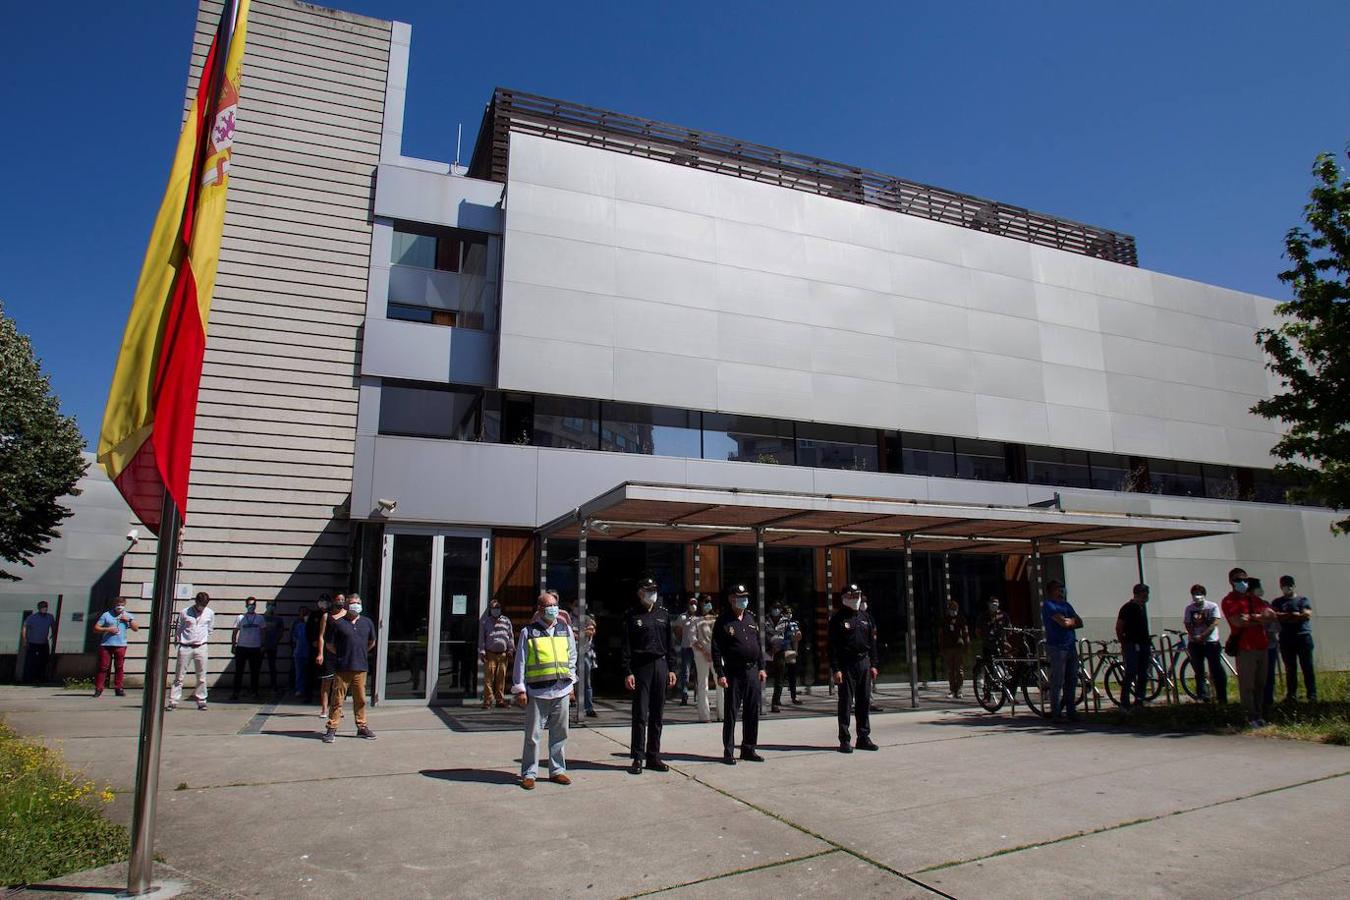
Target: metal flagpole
909 617
140 868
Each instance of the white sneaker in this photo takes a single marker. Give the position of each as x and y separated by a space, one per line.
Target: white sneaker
171 706
201 704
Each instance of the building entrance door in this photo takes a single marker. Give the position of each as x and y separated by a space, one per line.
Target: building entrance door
434 590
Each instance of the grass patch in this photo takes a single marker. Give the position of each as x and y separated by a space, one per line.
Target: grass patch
50 821
79 684
1327 721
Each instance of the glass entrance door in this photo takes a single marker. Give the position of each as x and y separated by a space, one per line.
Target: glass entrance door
433 593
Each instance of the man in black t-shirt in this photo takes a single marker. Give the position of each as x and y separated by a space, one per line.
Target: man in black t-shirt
349 639
1136 646
738 660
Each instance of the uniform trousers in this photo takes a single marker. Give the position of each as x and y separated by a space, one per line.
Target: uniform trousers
650 677
855 695
741 700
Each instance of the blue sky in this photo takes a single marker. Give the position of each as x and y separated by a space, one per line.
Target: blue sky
1190 125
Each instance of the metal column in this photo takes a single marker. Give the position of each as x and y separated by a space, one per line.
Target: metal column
1139 561
583 643
759 591
698 569
910 637
829 599
1037 580
543 563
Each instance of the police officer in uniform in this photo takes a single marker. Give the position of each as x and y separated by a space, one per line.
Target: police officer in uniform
853 663
649 666
738 661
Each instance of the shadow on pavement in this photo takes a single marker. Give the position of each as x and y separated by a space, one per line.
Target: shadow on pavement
303 735
476 776
1034 724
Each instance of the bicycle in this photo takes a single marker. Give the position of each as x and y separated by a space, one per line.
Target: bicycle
1020 665
1186 671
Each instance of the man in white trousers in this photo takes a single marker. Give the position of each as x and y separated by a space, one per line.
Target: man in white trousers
193 633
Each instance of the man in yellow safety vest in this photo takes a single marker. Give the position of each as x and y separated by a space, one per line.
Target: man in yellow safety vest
543 680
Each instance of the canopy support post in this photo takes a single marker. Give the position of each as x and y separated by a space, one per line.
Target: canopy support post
583 643
543 563
759 594
910 632
1037 579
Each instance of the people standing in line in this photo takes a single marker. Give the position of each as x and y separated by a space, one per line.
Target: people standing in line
326 661
738 661
193 636
1296 640
1272 623
685 626
301 658
590 662
543 681
35 634
648 659
349 640
496 644
246 642
1201 621
1136 647
274 628
315 623
953 641
112 649
854 659
1061 622
784 637
1247 615
703 637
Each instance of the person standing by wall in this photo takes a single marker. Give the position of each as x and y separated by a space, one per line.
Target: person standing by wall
703 635
1061 621
193 636
112 650
274 628
246 641
738 661
314 629
1272 625
953 641
349 640
300 655
1247 615
1296 640
784 636
1136 647
1201 621
544 681
36 636
327 661
685 627
496 644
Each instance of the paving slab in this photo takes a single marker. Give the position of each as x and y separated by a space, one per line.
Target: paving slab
832 874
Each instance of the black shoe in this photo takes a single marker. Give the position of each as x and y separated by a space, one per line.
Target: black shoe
874 708
234 698
329 735
684 701
635 768
866 744
751 756
98 693
845 747
363 731
774 709
591 714
657 765
119 692
796 702
728 759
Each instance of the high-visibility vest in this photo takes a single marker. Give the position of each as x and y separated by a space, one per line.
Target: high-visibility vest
546 655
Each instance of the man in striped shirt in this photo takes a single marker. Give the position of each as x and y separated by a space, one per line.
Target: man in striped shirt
495 648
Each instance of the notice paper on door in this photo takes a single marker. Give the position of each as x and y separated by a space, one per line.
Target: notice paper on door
459 604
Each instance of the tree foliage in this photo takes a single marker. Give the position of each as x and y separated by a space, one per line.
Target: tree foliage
40 459
1310 351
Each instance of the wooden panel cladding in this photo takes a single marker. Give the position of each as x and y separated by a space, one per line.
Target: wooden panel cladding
515 572
838 575
709 569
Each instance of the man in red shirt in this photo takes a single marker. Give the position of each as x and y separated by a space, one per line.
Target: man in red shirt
1247 615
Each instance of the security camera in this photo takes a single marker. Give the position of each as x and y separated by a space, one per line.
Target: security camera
386 506
133 537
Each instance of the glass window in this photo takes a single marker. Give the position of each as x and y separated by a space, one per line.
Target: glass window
567 422
1269 486
414 250
415 410
984 460
928 454
1179 479
837 447
1221 482
405 312
651 430
1110 471
445 249
1064 468
748 439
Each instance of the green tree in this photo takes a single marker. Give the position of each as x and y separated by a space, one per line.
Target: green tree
1310 351
40 459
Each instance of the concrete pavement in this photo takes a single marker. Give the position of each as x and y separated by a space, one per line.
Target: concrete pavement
956 802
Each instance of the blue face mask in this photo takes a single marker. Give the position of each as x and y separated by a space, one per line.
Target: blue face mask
550 613
1240 586
741 603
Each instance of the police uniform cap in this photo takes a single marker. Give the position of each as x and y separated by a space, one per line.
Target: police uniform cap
738 590
646 583
852 589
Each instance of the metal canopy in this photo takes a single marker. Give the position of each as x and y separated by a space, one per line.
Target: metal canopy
638 511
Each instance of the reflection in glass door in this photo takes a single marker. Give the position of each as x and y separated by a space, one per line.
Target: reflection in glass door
433 590
407 622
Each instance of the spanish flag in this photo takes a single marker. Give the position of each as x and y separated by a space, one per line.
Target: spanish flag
146 441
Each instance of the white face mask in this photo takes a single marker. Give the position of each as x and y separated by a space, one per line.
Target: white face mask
550 613
741 603
852 602
648 598
354 609
1198 598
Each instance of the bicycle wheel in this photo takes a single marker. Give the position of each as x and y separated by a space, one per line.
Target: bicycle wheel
1186 678
1156 679
1086 686
1036 691
989 690
1114 681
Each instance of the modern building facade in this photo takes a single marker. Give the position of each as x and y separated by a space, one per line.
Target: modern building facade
411 369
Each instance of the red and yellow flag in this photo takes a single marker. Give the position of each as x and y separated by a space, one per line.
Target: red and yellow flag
146 441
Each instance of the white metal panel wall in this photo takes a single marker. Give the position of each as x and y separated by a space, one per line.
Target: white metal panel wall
276 420
634 279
